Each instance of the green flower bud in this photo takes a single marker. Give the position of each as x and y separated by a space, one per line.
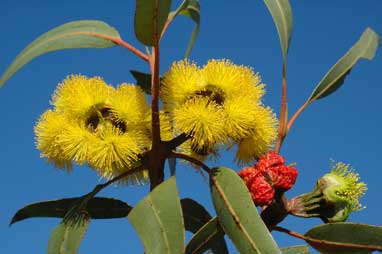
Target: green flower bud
334 197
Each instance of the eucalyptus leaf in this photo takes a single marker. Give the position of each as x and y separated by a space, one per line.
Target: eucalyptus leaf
209 237
238 215
76 34
282 16
158 220
194 215
143 80
97 208
190 9
365 48
297 249
350 233
66 239
146 14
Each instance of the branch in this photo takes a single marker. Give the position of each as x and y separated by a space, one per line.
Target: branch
177 141
157 157
190 159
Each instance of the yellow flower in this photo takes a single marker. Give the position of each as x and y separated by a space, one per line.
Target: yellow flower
129 106
47 132
261 138
217 105
183 79
202 119
233 80
78 95
95 124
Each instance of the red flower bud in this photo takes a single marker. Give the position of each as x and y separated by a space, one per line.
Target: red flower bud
267 176
262 192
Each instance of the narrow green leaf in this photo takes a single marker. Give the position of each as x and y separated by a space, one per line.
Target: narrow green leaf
347 232
158 220
365 48
238 215
282 16
209 237
77 34
298 249
97 208
145 17
66 239
190 9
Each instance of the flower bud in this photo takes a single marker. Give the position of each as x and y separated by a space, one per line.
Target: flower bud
334 197
270 176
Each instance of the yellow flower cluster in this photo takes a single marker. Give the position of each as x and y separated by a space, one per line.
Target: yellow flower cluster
93 123
219 104
109 128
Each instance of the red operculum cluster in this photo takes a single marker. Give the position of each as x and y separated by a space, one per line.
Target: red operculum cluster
268 175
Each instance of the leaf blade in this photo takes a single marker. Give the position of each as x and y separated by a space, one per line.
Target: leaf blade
66 239
197 217
162 230
282 17
209 237
364 48
346 232
76 34
97 208
238 215
190 9
194 215
144 18
297 249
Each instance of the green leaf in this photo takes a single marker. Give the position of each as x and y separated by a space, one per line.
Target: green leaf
350 233
77 34
282 16
238 215
66 239
197 217
143 80
194 215
172 165
158 220
208 237
97 208
298 249
145 17
190 9
365 48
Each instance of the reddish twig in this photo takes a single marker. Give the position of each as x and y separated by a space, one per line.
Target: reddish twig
167 24
294 117
124 44
283 111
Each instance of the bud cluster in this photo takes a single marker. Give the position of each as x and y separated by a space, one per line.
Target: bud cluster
268 177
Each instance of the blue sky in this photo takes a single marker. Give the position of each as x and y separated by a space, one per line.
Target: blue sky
344 127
